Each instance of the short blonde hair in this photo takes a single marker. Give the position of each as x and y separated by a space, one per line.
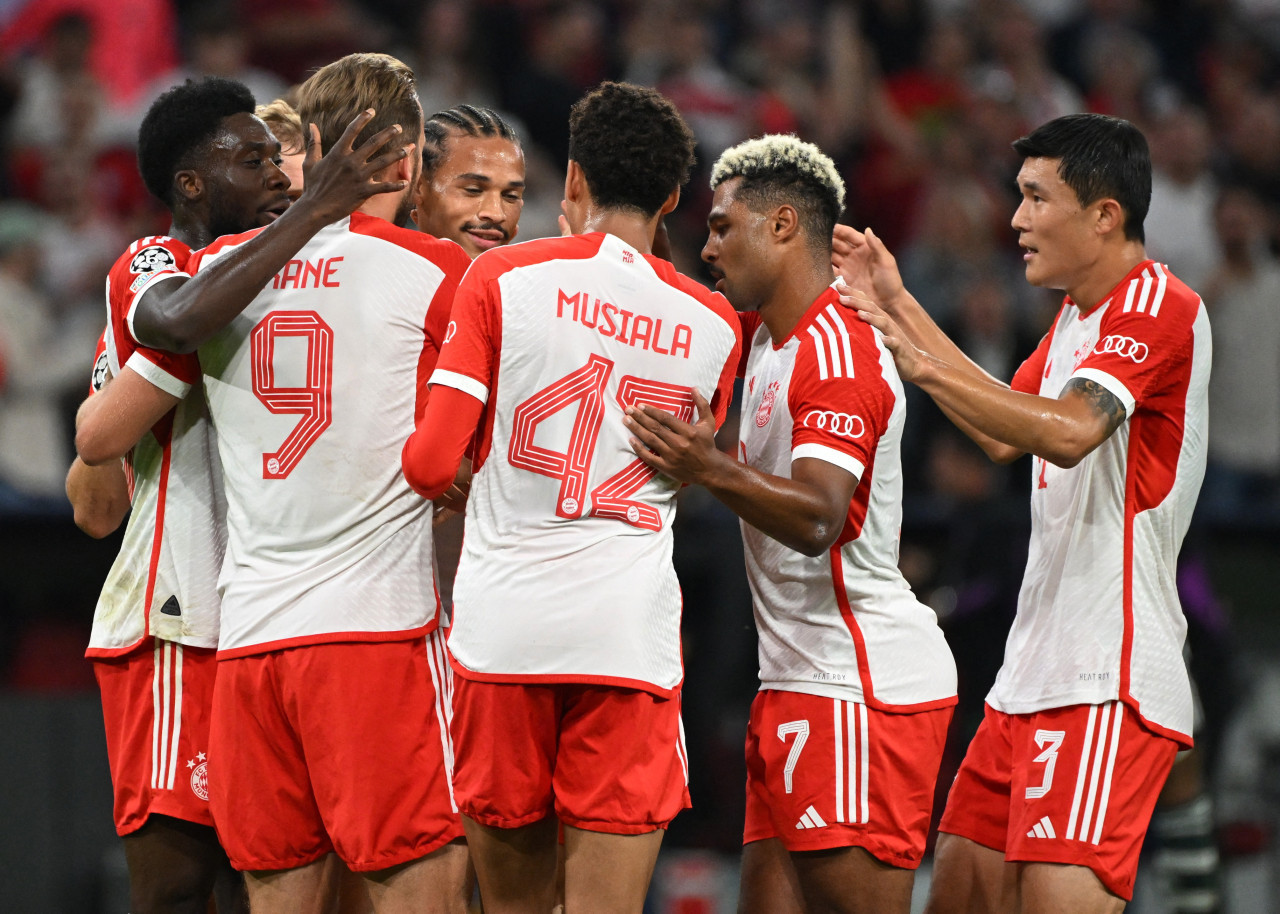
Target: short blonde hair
284 122
783 169
337 92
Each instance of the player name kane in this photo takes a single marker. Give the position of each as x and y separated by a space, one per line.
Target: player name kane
638 330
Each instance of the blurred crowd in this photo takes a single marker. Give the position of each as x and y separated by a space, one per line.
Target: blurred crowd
918 101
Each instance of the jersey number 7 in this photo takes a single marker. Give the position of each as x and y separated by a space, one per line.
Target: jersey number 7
584 390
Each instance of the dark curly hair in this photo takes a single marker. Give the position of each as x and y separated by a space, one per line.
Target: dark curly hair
467 120
1101 156
179 125
632 145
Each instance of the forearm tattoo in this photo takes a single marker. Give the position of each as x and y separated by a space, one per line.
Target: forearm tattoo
1103 401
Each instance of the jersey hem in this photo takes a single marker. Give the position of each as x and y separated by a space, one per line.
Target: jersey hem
264 647
1185 740
846 462
137 297
876 704
143 643
461 382
617 682
157 376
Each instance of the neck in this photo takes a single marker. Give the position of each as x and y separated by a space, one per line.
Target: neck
792 296
631 227
1105 274
192 231
383 206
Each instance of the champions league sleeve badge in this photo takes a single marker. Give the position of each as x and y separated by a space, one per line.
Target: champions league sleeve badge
152 259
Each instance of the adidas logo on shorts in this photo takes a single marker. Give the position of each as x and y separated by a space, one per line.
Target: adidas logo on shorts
811 819
1043 829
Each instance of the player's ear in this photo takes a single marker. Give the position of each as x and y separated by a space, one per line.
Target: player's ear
1110 216
784 222
404 167
575 182
673 199
188 185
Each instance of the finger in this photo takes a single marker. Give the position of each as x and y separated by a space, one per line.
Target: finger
382 187
642 424
313 148
373 166
646 455
705 413
348 138
666 419
564 226
651 440
380 139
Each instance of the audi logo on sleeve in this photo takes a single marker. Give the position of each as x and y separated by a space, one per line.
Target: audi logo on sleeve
1125 347
844 425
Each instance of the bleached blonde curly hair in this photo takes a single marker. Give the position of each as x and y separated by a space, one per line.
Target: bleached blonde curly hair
781 168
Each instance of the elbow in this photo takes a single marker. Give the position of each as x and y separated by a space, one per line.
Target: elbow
818 538
424 477
96 524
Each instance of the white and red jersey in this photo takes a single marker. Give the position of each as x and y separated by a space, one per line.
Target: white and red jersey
1098 614
566 571
844 625
164 580
313 391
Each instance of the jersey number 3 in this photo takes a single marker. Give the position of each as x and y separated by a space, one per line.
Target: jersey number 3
312 402
584 390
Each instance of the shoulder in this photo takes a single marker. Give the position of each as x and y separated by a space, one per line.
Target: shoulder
152 254
706 297
497 261
447 255
1153 291
221 245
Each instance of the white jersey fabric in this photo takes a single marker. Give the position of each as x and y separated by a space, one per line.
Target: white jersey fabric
566 570
163 582
313 393
1098 613
842 625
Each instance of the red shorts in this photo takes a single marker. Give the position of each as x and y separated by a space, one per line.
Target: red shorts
823 773
155 704
340 747
604 759
1069 785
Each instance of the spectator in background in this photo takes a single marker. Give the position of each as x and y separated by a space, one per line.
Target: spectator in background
216 45
1243 293
128 44
1180 230
41 367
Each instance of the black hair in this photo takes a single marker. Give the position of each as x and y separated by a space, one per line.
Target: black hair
179 125
1101 156
467 120
632 145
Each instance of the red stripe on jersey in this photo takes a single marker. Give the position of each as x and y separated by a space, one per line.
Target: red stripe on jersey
846 613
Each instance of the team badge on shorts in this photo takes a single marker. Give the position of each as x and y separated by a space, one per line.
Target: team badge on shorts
150 259
199 767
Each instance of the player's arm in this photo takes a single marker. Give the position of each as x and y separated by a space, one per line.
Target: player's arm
869 269
1061 431
110 422
180 314
805 513
432 457
99 497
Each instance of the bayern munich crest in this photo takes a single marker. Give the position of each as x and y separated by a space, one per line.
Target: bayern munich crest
766 404
199 776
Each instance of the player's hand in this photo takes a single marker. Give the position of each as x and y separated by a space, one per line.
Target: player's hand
335 184
911 361
865 264
673 447
454 499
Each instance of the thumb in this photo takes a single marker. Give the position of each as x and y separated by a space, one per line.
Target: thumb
705 413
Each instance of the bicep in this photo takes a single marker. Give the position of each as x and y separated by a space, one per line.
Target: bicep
831 486
1094 410
112 421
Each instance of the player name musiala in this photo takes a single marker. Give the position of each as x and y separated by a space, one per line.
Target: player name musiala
630 327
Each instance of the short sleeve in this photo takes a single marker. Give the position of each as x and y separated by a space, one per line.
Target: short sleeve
1135 353
155 260
468 353
1029 374
839 418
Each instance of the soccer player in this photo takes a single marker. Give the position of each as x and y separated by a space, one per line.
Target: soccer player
1093 701
472 183
285 125
566 634
211 161
857 682
330 710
